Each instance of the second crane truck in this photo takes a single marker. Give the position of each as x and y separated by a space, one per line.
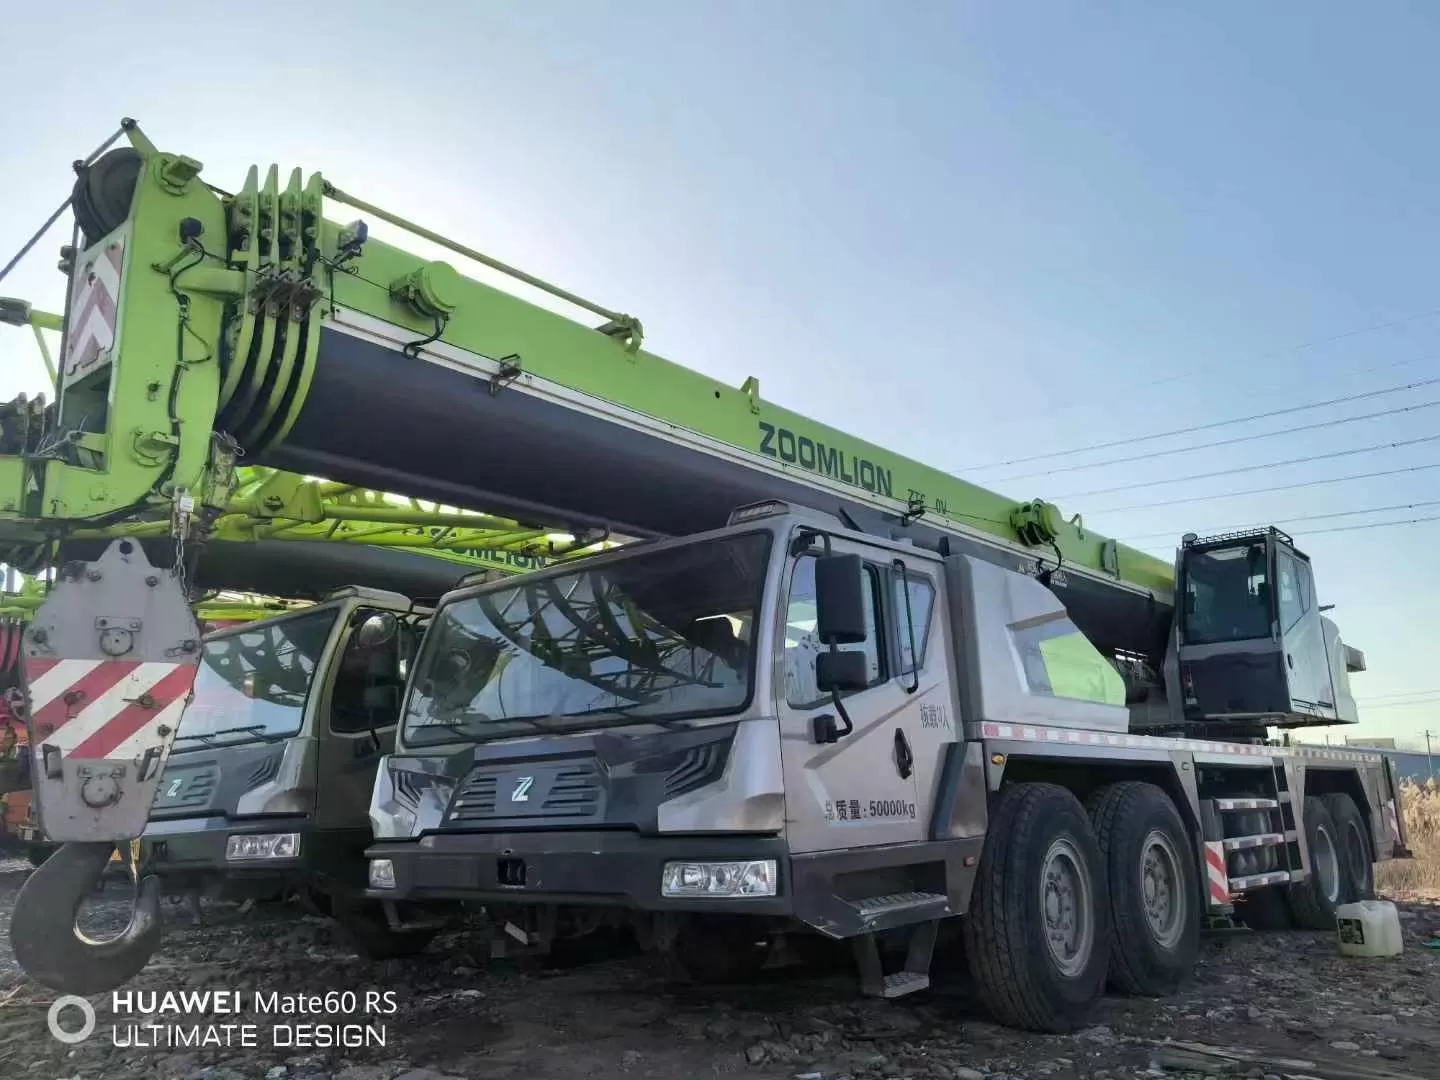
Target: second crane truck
832 691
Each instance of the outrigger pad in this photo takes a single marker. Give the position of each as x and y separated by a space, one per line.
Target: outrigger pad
110 660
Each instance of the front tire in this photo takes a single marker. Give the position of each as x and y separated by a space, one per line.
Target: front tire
1036 936
1153 914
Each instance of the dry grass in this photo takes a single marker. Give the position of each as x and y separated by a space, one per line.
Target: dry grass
1422 827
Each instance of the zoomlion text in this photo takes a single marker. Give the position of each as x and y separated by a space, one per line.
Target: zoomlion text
811 454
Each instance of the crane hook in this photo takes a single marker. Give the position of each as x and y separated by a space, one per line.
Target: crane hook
49 946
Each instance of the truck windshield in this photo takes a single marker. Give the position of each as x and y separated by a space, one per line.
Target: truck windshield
660 635
1227 595
254 683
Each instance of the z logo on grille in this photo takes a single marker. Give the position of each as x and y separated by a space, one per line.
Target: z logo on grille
522 789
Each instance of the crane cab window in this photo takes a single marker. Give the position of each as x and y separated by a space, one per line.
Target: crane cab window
1295 600
801 646
370 674
1227 595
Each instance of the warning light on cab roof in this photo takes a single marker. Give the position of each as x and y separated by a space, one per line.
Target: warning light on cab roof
755 511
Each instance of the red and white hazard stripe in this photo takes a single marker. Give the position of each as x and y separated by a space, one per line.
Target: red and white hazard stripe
1216 873
93 304
105 708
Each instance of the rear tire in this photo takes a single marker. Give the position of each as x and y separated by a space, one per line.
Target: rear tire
1314 900
1357 865
1036 936
1153 912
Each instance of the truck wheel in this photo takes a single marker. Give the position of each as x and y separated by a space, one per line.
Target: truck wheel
1036 936
1154 917
720 950
1314 900
1357 866
369 933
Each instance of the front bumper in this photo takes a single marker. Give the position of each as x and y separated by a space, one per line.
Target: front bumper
591 867
187 853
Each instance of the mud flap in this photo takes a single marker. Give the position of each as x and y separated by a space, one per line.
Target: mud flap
109 663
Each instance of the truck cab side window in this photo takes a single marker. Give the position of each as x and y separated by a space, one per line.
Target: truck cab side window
801 646
922 601
371 673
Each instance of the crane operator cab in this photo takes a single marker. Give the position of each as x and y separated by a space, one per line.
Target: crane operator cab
1252 648
267 786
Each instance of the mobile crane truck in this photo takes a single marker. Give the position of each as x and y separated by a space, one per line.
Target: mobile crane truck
830 688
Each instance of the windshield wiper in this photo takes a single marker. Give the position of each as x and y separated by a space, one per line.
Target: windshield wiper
209 737
472 725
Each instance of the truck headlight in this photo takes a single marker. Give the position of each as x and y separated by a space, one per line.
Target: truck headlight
382 874
285 845
754 877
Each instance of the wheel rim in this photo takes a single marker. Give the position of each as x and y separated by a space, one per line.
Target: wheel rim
1067 907
1326 864
1162 893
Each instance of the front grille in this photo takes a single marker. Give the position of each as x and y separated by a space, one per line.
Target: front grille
407 788
701 765
571 792
190 791
266 771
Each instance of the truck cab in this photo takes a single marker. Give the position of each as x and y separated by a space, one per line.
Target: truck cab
267 784
675 730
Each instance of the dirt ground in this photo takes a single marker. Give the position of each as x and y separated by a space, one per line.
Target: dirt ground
1262 1006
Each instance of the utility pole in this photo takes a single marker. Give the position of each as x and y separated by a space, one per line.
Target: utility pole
1429 759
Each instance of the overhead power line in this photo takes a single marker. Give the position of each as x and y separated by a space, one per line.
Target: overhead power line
1400 704
1375 525
1268 490
1130 440
1398 694
1293 520
1147 455
1361 528
1303 346
1249 468
1258 390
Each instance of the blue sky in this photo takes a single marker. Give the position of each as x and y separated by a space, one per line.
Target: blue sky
930 224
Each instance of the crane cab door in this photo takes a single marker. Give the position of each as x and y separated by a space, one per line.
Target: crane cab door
1302 635
870 786
354 726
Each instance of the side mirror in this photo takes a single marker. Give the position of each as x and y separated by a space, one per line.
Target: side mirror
378 628
839 600
841 672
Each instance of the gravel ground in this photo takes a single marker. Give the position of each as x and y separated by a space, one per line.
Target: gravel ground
1262 1006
